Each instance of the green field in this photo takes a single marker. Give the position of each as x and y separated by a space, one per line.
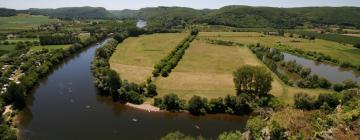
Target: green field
134 59
22 39
21 22
336 50
206 70
50 47
7 47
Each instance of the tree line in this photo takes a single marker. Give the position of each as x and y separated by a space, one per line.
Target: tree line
252 83
168 63
58 39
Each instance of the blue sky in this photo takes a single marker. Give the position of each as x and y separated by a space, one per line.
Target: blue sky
198 4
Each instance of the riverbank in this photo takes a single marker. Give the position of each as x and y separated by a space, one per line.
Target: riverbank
145 107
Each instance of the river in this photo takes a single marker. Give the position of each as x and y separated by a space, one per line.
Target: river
66 105
333 73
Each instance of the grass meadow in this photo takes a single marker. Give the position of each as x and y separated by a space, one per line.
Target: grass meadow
134 58
23 21
342 52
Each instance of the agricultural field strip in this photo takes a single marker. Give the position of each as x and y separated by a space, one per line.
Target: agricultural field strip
135 58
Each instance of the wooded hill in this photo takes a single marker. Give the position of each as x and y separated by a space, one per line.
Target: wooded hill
247 16
234 15
73 12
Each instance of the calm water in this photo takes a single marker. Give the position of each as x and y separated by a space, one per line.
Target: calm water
66 106
333 73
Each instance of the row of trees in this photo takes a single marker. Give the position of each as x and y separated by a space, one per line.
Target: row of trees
166 64
252 93
58 39
325 101
223 42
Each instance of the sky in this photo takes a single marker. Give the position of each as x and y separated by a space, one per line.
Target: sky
197 4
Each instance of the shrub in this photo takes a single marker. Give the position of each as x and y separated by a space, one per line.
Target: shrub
345 64
197 105
338 87
217 105
237 135
151 90
304 101
330 100
348 84
255 126
173 103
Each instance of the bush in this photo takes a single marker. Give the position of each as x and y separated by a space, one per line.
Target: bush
197 105
151 90
330 100
304 101
237 135
217 105
338 87
173 103
255 126
345 64
348 84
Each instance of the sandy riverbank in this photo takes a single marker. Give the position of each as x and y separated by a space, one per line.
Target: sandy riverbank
145 107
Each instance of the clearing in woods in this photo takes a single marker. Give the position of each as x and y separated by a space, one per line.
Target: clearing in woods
135 58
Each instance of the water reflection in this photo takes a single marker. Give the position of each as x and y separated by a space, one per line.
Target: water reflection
333 73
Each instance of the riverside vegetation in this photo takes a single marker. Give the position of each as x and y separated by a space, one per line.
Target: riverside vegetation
247 74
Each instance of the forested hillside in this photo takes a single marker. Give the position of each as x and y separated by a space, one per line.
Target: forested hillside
247 16
73 12
4 12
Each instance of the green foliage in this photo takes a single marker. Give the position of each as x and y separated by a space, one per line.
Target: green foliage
7 133
58 39
252 80
168 63
179 136
217 105
197 105
151 90
238 104
4 12
73 12
331 37
173 103
15 95
304 101
255 125
230 136
277 132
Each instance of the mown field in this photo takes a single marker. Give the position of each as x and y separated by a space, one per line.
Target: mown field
134 58
206 70
23 21
342 52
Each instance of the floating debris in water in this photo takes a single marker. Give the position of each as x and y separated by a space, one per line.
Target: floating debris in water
197 127
72 100
134 120
87 106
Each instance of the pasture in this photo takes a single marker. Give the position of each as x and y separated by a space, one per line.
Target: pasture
206 70
342 52
23 21
135 58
